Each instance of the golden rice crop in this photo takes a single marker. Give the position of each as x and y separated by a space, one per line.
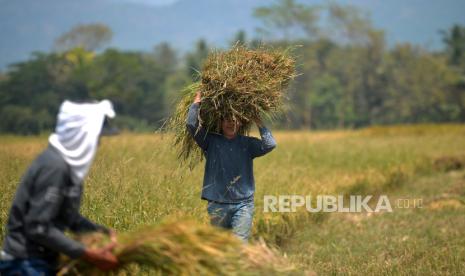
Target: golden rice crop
183 248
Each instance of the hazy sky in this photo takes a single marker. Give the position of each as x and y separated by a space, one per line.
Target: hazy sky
150 2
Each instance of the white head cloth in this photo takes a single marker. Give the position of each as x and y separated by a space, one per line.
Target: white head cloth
77 132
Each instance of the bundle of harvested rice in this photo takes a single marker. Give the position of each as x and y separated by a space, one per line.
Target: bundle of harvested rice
182 248
238 84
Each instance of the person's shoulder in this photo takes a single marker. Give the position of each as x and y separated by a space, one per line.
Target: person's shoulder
50 158
48 164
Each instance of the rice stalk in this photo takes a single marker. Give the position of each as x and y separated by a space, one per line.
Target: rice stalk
182 248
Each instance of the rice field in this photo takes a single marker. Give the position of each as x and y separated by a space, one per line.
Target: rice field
137 180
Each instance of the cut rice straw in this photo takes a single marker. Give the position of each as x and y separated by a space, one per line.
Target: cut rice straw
183 248
238 84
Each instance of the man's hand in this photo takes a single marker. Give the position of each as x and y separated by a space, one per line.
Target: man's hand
113 241
102 258
198 97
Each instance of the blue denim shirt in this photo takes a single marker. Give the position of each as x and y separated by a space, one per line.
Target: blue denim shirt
228 176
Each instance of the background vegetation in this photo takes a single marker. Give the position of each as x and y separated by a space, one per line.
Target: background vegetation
349 77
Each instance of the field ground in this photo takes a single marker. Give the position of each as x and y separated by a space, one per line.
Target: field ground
136 180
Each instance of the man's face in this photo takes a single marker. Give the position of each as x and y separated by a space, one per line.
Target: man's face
230 127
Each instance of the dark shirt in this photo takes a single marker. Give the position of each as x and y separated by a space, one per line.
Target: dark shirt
228 176
45 205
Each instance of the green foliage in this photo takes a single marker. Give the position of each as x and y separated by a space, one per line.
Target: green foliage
132 81
23 120
349 79
455 44
325 100
135 82
195 59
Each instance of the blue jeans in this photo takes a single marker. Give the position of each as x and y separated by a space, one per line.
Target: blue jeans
26 267
235 216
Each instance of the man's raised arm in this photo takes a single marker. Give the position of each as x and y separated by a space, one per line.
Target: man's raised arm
267 143
198 132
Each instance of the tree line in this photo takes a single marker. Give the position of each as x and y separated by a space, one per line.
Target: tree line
348 76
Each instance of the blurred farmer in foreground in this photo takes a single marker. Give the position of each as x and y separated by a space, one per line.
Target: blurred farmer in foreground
228 183
47 200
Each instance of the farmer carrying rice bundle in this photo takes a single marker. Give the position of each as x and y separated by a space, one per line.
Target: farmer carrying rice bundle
48 198
228 183
237 88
